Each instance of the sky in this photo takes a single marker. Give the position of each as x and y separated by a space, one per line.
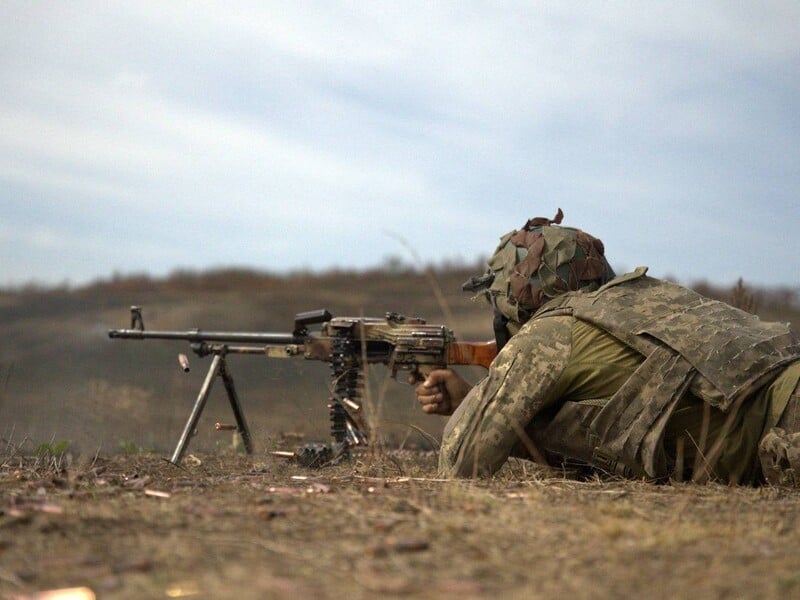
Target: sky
153 136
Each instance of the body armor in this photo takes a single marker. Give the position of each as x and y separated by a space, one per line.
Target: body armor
690 344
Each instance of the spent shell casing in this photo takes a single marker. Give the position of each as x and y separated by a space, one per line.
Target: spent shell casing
352 405
283 454
224 427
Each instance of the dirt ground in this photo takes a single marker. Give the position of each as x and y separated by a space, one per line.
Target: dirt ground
237 526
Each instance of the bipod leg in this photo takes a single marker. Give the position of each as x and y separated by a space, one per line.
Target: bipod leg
241 423
199 404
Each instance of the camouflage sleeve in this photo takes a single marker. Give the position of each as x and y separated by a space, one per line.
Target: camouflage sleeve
480 435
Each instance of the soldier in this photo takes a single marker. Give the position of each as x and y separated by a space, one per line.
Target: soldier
630 375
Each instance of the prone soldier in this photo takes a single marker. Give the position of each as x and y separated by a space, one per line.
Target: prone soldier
630 375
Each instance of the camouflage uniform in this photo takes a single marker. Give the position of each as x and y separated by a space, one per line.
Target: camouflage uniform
779 449
666 357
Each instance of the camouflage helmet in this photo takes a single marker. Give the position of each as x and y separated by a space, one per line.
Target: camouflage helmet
539 262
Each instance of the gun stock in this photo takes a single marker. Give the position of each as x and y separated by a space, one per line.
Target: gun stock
471 353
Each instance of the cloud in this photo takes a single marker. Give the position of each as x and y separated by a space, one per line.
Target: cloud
292 134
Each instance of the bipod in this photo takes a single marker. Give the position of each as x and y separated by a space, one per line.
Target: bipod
218 368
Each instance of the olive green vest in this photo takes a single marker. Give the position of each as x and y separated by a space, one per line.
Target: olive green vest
691 344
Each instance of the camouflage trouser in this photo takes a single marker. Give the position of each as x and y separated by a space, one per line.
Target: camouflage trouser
779 450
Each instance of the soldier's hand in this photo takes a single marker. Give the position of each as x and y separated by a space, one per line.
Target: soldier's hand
441 392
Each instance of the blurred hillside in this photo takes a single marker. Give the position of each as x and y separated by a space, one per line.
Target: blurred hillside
62 378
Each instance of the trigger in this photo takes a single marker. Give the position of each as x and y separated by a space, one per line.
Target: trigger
415 377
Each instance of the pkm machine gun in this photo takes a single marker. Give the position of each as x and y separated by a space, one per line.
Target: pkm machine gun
346 343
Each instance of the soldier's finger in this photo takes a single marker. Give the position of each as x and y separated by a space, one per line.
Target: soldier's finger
424 389
429 398
435 407
437 377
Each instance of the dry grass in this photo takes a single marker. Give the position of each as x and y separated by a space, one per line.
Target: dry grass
232 526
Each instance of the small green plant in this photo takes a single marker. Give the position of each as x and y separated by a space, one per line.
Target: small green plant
235 445
51 450
789 583
129 447
52 455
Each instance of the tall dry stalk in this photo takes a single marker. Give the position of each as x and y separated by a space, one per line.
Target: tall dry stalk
6 378
436 289
742 298
433 282
373 411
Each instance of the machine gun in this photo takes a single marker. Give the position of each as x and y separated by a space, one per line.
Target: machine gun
347 343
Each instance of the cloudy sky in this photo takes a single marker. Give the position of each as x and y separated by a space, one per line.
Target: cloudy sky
149 136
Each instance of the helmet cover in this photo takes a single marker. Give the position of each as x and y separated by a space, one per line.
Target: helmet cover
539 262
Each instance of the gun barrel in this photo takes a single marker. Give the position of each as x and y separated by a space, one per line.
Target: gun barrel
196 335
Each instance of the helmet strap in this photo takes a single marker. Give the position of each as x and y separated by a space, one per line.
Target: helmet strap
501 333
